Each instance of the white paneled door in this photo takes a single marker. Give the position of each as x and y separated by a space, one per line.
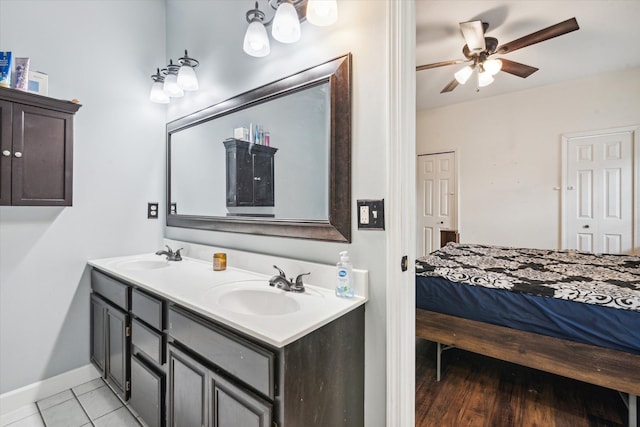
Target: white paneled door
436 201
599 206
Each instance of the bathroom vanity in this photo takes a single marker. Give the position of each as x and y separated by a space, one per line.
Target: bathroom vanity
186 345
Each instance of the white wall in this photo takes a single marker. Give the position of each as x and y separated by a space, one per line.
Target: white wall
509 152
101 52
213 33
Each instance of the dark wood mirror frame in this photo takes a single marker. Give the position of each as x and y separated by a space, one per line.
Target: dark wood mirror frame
337 73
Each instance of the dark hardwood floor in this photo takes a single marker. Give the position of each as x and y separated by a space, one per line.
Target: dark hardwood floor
481 391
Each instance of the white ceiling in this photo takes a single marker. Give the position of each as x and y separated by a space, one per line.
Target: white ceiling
608 39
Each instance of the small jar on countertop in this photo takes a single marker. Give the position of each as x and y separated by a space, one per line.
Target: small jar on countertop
219 261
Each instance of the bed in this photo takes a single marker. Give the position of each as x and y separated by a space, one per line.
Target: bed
569 313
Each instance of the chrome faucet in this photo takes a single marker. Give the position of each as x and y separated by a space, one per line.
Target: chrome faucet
171 255
280 281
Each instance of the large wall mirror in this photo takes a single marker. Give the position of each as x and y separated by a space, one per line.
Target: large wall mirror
272 161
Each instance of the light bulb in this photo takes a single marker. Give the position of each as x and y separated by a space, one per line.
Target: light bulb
157 93
256 41
171 87
484 79
463 74
286 26
187 78
322 12
492 66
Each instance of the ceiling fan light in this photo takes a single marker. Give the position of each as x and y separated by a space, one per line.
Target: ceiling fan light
463 74
484 79
492 66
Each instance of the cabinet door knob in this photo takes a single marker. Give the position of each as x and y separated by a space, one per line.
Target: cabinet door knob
585 226
6 153
257 178
18 154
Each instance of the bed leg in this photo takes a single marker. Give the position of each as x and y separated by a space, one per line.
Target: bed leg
438 360
633 410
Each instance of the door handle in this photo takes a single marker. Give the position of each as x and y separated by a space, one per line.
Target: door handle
585 226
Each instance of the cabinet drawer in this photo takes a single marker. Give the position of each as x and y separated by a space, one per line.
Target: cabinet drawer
244 360
148 308
111 289
147 392
148 341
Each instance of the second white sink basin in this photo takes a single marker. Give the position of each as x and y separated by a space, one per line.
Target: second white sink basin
255 298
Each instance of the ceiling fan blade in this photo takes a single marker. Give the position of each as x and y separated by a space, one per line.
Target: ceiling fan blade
440 64
451 86
539 36
517 69
473 33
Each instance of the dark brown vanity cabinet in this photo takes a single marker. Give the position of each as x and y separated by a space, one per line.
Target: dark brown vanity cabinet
188 370
111 331
250 173
36 149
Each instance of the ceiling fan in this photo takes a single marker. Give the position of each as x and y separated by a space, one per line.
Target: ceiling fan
478 50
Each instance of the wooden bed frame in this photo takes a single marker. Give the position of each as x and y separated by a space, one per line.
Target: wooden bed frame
613 369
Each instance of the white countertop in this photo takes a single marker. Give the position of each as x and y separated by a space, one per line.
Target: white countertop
194 284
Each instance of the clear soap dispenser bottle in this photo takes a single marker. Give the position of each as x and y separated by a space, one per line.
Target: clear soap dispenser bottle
344 284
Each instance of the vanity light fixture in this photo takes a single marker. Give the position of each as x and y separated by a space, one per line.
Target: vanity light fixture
173 81
285 22
171 87
187 78
158 94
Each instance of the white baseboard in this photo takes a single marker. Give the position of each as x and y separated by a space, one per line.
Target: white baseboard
16 399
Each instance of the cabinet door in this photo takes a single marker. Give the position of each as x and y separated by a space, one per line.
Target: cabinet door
117 331
263 180
233 406
239 177
6 151
43 173
187 397
98 348
147 392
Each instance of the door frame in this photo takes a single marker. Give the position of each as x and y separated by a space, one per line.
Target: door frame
635 153
401 209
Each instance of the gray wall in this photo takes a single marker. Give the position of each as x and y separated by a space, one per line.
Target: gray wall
102 53
213 32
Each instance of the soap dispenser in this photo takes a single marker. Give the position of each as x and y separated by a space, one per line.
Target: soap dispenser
344 284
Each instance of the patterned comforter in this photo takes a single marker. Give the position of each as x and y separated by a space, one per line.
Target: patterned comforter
607 280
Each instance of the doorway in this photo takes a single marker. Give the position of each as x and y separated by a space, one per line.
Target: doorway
598 174
436 199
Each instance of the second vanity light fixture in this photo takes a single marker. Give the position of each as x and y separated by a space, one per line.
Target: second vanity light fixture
285 23
173 81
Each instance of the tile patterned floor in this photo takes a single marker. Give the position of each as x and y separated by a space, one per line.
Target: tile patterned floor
89 404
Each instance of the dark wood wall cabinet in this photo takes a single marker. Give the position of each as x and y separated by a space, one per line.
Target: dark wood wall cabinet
36 149
180 368
250 173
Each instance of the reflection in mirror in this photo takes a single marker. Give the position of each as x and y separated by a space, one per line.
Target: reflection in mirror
273 161
297 125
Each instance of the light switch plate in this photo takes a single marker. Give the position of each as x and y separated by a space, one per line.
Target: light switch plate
371 214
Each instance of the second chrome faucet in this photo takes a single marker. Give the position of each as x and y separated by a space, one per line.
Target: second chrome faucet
280 281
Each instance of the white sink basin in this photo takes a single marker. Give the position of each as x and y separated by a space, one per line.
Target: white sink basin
253 298
143 264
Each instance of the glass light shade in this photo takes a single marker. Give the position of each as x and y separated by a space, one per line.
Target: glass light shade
484 79
286 26
322 12
256 41
157 93
492 66
463 74
171 87
187 78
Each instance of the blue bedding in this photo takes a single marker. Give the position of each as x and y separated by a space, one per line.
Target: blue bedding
535 311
